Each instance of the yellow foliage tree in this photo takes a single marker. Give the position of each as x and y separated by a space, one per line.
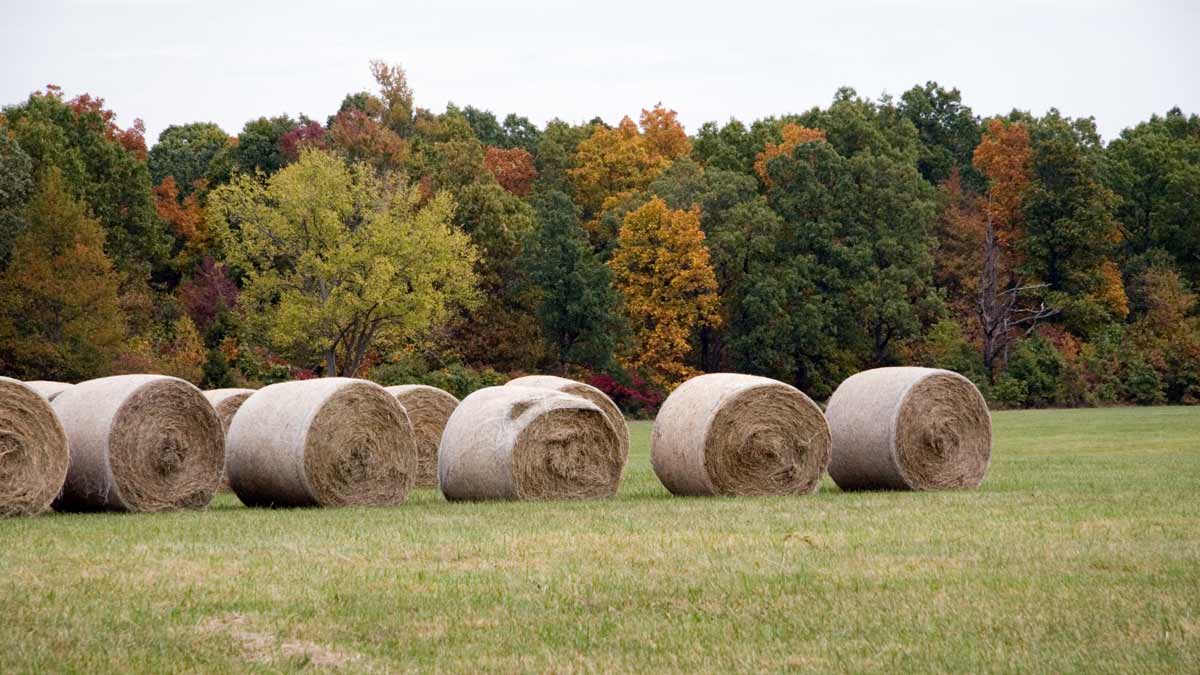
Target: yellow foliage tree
613 162
661 265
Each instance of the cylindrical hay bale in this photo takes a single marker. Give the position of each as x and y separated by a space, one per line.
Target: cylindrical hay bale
428 408
139 443
48 389
332 441
527 443
226 402
587 392
909 429
33 451
732 434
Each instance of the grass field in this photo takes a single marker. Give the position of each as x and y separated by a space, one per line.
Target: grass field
1080 552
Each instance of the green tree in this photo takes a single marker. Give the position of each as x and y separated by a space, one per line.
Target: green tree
186 152
339 260
1154 171
16 185
948 130
730 147
578 307
101 165
257 147
59 317
1070 231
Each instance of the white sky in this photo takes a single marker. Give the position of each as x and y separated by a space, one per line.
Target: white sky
228 62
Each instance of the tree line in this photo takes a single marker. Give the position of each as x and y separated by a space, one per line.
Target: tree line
459 248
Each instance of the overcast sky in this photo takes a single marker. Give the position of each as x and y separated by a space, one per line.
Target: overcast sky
228 62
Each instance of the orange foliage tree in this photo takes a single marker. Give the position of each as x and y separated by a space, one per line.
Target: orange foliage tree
185 218
793 135
1003 156
661 265
612 164
663 134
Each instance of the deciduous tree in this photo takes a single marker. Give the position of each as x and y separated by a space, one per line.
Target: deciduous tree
59 317
339 260
662 268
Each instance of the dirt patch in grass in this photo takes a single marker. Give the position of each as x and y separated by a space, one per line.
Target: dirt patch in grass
260 645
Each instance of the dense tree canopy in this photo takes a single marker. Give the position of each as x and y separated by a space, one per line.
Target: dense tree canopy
461 246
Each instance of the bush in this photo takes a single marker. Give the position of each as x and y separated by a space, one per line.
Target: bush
637 398
1009 392
1143 385
1039 368
455 378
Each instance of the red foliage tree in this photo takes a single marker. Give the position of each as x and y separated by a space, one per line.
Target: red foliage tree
132 139
309 135
512 167
207 293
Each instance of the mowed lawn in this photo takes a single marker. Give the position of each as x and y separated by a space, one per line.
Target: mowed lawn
1080 552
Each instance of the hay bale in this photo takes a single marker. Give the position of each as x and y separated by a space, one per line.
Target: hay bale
139 443
587 392
428 408
33 450
732 434
226 402
909 429
48 389
332 441
527 443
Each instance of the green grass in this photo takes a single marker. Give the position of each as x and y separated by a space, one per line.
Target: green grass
1080 552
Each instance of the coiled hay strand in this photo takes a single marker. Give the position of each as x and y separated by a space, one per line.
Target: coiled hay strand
33 450
327 442
515 442
584 391
733 434
909 429
428 408
226 402
139 443
48 389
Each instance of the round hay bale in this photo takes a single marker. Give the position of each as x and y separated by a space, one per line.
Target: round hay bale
526 443
587 392
226 402
428 408
139 443
48 389
332 441
732 434
909 429
33 450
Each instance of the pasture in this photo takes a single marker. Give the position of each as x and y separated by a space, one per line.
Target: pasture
1081 552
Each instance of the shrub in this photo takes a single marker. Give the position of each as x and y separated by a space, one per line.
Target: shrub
1038 366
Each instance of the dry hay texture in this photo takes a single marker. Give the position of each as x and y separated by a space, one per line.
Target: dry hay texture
587 392
332 441
226 402
139 443
428 408
732 434
515 442
33 451
48 389
909 429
